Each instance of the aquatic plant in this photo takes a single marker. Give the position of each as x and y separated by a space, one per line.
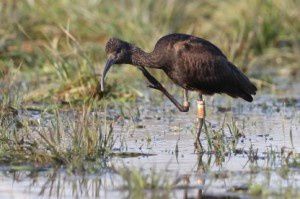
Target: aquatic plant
71 142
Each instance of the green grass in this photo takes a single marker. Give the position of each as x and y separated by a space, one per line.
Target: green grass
81 142
223 141
52 53
59 46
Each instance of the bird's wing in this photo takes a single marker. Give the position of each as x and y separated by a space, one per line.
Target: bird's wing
211 70
221 76
200 65
183 41
199 46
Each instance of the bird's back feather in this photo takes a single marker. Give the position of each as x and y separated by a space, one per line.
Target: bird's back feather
197 64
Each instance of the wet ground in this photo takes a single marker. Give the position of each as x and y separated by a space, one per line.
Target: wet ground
157 138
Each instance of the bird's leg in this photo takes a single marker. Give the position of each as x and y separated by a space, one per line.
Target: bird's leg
157 85
201 120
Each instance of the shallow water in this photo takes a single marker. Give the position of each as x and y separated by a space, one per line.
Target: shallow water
271 125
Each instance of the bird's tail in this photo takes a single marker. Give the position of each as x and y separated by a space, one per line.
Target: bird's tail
246 87
246 96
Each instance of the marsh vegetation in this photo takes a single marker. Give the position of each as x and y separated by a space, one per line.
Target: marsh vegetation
61 137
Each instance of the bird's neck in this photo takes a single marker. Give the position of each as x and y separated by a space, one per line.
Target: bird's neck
142 58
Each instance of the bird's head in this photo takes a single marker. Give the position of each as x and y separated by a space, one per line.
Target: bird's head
118 52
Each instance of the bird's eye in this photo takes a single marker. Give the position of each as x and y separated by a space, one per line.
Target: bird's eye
119 50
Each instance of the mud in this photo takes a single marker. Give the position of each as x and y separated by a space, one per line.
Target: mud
157 137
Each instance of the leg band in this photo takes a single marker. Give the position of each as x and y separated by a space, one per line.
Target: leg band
200 109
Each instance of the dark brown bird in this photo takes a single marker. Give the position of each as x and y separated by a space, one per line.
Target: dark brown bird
192 63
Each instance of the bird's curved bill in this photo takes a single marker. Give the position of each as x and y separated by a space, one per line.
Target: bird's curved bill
108 65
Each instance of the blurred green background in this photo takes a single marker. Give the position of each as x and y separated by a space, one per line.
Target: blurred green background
54 50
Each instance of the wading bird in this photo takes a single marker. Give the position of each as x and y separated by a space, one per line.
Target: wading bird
192 63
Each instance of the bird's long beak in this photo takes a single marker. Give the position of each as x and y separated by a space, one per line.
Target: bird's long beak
109 63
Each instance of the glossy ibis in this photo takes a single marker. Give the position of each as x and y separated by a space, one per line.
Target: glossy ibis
192 63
